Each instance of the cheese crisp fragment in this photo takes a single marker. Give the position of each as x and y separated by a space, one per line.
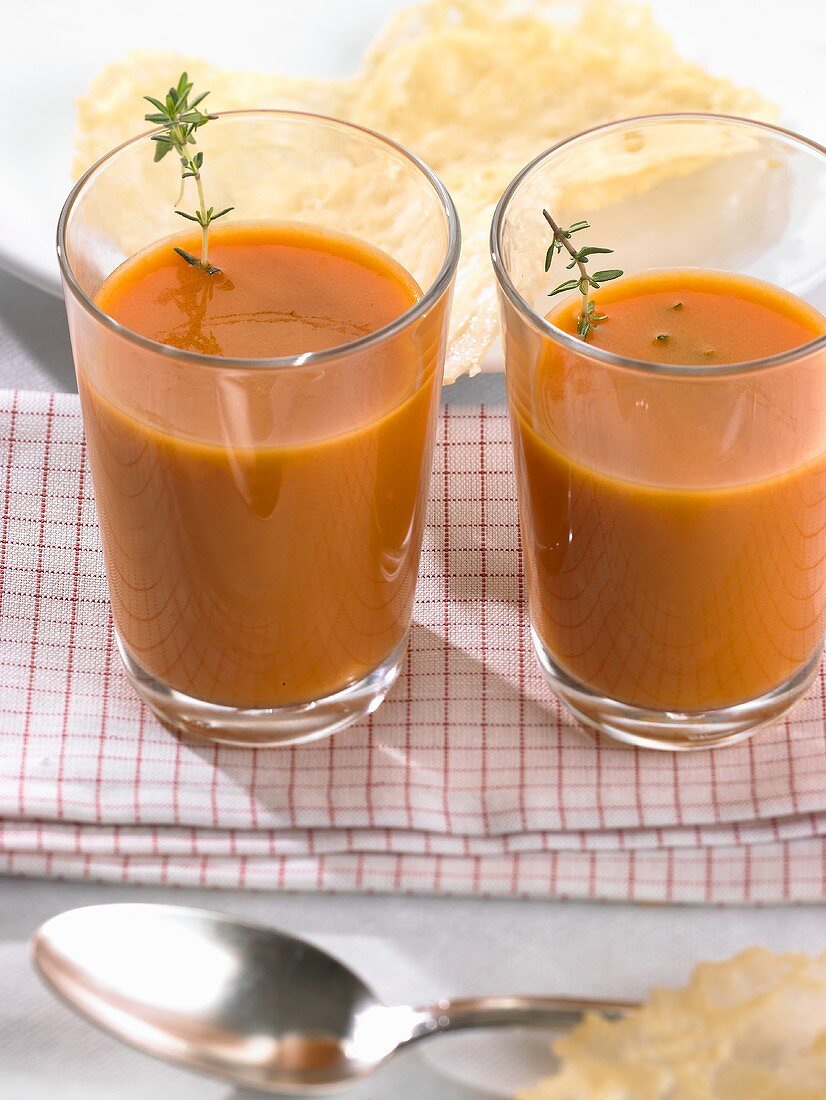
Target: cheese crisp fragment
476 88
751 1028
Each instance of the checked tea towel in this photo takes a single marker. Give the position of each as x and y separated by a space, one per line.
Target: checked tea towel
470 779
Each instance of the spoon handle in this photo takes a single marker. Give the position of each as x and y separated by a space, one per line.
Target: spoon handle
554 1013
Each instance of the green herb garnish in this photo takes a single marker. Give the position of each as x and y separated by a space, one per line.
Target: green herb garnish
662 338
180 120
588 316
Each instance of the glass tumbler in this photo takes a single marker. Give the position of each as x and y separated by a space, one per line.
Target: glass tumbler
262 519
673 518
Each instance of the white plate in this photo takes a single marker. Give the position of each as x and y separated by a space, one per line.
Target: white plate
51 50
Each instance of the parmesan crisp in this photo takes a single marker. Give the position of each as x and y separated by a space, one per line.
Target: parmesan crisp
750 1028
476 88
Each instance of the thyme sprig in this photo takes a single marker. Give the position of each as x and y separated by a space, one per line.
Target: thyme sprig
588 316
181 119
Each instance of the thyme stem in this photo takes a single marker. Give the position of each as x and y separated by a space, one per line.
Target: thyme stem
205 220
565 240
588 316
180 118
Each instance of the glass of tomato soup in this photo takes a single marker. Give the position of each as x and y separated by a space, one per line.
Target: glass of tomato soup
260 438
671 462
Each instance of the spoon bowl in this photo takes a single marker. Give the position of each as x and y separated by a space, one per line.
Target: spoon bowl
247 1003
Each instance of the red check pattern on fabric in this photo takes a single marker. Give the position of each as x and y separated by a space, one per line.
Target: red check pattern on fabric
470 779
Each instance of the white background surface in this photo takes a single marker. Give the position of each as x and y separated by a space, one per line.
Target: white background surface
409 949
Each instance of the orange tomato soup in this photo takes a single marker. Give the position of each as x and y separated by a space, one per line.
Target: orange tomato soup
261 529
666 567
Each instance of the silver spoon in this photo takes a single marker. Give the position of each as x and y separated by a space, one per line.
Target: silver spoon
250 1004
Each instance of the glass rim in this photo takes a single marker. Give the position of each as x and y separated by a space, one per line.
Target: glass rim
576 344
306 359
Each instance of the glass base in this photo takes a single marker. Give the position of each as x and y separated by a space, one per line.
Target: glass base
675 731
268 728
